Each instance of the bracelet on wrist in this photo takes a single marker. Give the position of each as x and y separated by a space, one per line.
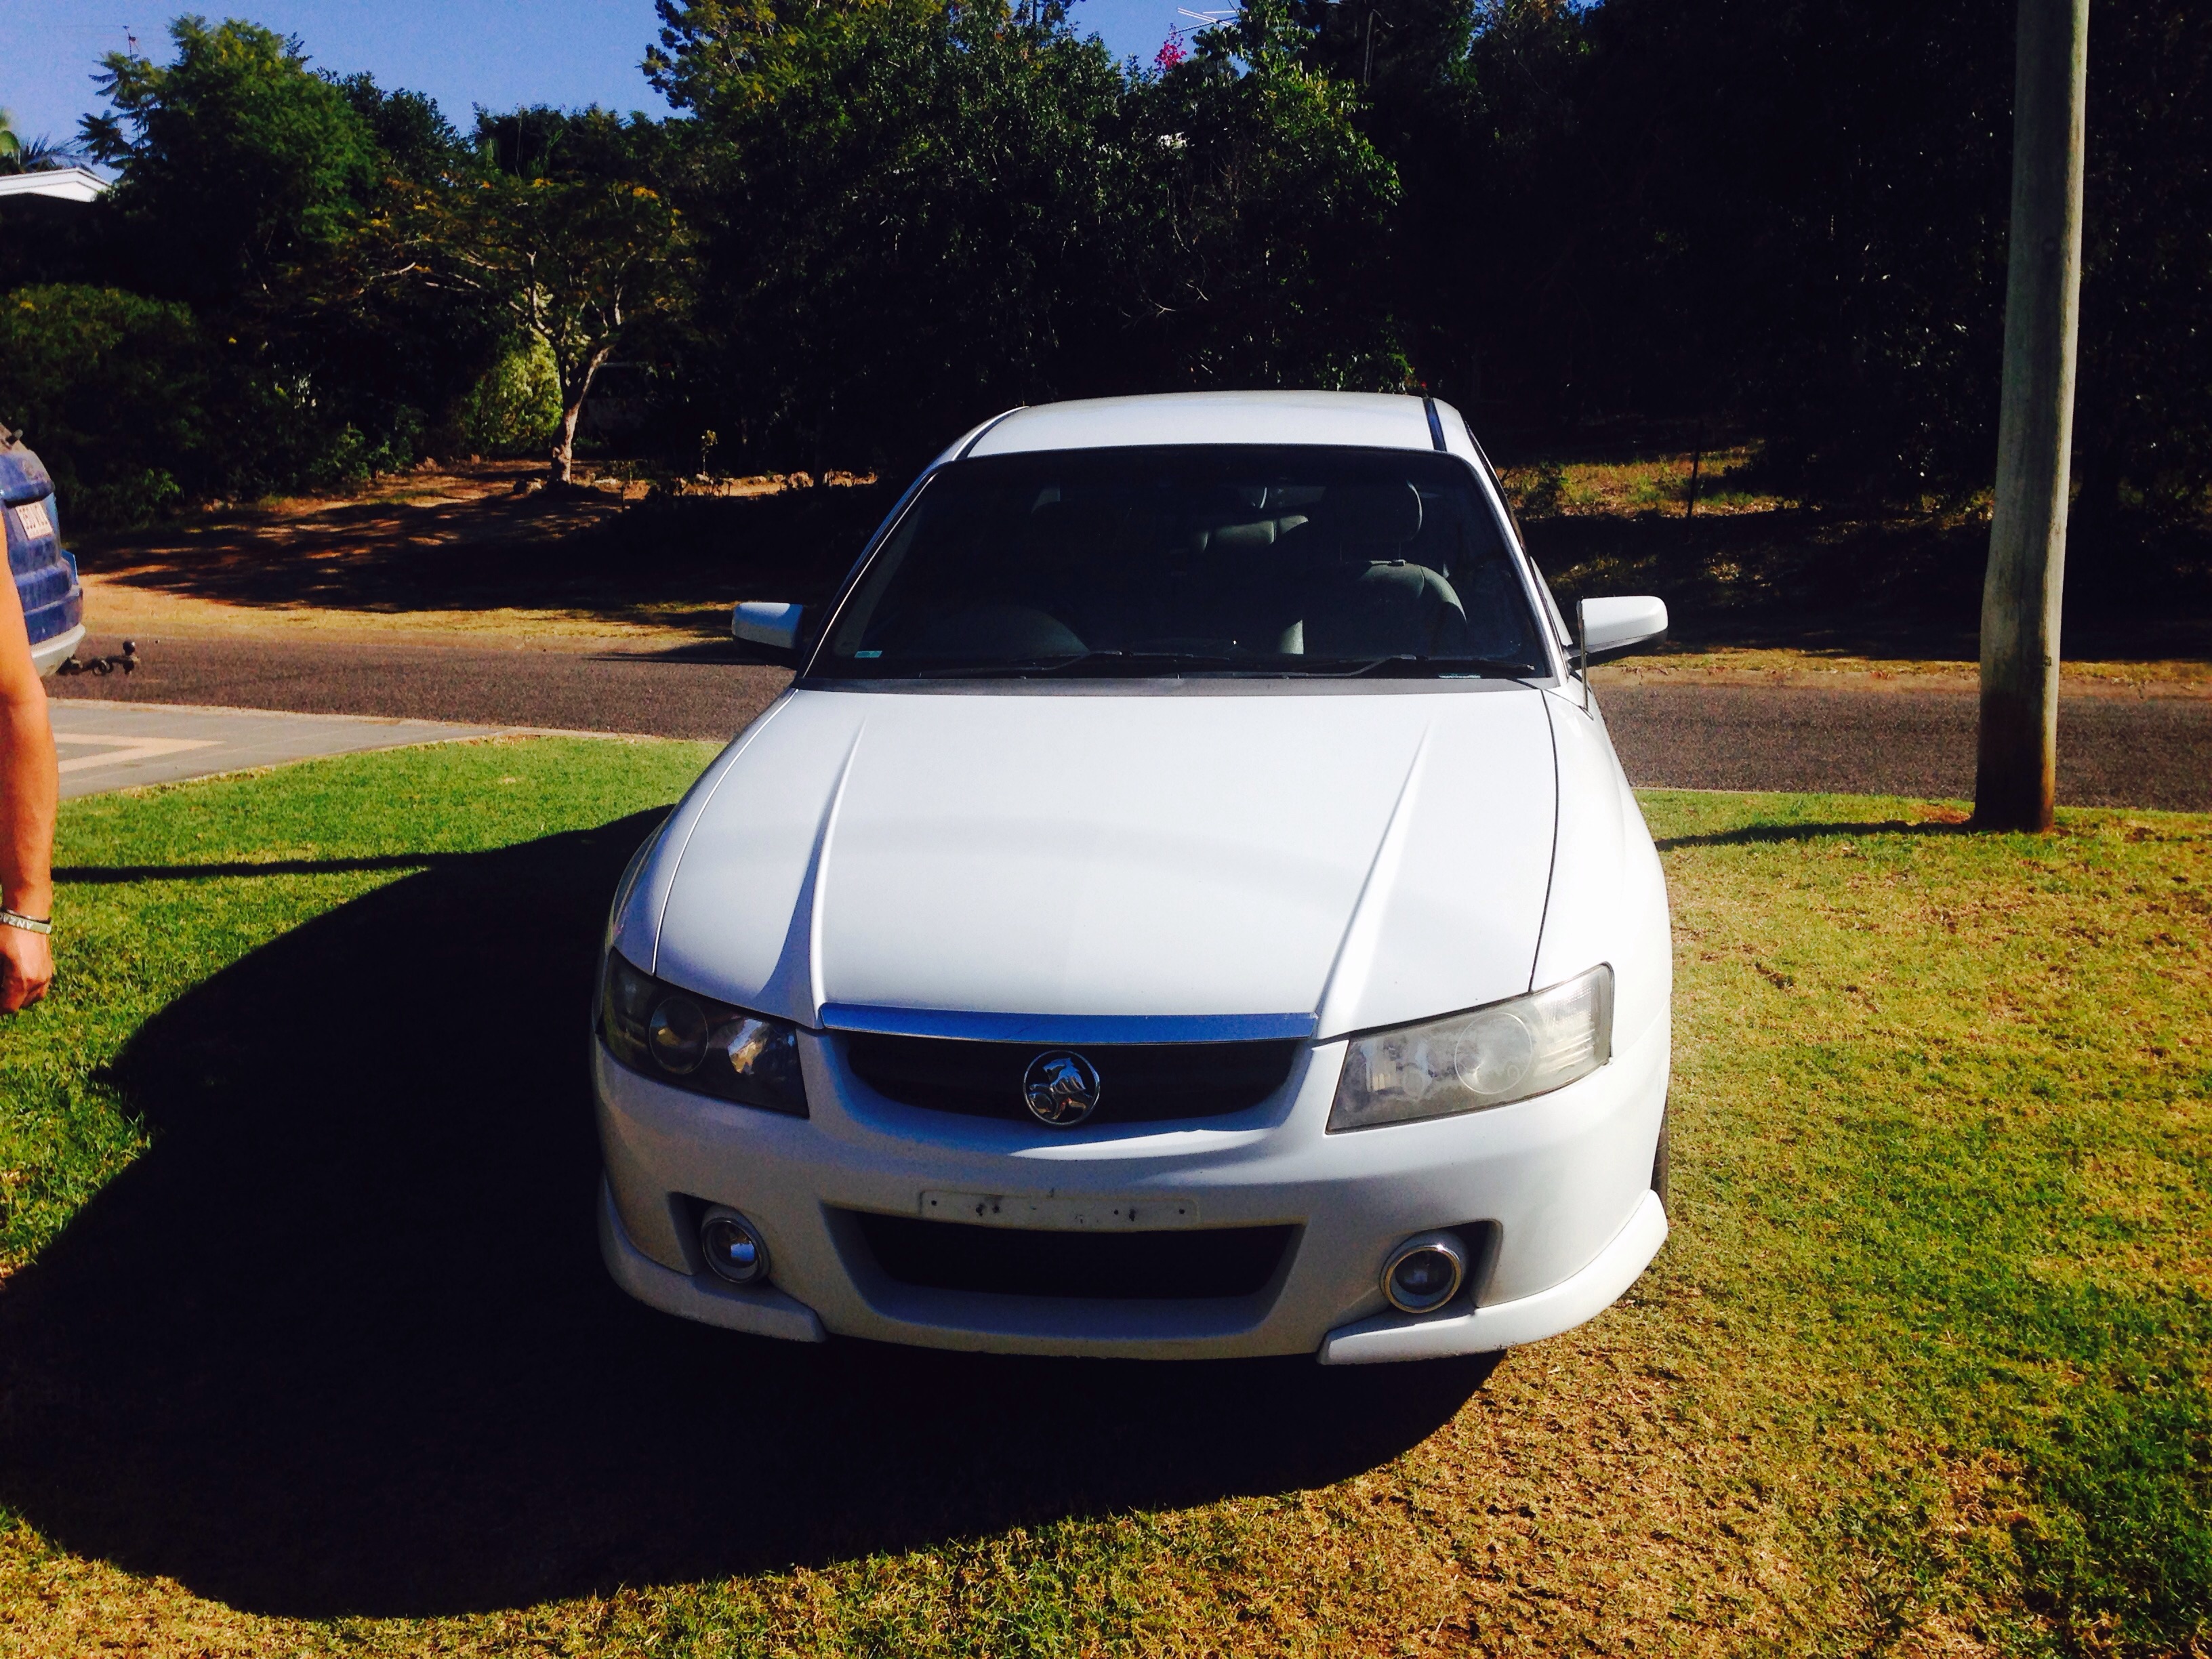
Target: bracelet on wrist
28 924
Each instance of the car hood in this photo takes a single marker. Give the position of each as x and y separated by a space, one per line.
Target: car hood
1312 859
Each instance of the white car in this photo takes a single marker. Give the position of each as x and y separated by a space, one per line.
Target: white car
1186 906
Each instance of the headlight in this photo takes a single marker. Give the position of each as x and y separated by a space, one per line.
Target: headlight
1466 1062
695 1043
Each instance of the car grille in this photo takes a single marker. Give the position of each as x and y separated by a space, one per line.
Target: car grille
1138 1083
1161 1267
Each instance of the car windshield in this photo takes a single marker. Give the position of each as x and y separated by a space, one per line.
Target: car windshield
1229 561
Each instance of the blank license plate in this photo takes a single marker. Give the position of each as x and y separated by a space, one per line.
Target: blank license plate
1060 1215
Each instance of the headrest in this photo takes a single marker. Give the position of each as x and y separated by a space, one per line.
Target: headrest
1369 515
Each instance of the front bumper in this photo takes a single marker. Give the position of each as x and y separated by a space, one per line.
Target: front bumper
1559 1186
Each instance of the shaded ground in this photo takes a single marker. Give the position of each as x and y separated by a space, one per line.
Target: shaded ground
457 548
1751 572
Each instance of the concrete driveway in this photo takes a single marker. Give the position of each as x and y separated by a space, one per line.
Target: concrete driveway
114 745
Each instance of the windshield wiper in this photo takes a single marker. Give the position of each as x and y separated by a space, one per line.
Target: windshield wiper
1021 669
1137 663
1427 668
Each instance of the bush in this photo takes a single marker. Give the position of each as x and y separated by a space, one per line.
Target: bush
515 409
111 390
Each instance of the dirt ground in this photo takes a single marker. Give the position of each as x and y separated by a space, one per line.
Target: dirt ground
447 553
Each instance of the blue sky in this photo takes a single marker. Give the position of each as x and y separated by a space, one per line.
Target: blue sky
495 53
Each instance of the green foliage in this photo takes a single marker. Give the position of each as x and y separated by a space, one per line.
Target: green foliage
112 389
239 163
39 155
253 189
1793 216
515 408
883 220
912 215
908 215
1276 203
412 135
2142 434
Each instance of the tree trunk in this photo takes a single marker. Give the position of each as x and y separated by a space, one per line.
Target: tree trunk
573 390
564 447
2017 773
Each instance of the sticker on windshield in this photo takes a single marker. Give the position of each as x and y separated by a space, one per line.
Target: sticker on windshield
32 515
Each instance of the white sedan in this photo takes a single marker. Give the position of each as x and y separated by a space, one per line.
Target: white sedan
1186 906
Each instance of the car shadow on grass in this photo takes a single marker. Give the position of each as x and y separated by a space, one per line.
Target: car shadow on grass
340 1342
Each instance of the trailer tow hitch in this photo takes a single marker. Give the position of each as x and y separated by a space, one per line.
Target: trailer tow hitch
128 662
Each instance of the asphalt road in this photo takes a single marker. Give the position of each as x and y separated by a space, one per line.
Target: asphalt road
2114 750
692 691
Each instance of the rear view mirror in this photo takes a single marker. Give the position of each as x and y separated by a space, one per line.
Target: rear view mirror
770 625
1613 628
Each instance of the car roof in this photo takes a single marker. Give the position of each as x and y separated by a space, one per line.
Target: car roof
1365 420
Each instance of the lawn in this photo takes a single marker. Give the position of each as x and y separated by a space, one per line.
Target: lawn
304 1347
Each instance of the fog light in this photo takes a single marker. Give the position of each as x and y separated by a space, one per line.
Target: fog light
1424 1272
733 1246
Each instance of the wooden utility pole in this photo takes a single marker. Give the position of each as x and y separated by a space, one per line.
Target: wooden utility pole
2018 765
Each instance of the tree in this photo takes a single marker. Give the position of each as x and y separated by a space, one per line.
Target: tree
239 164
2143 430
39 155
2015 780
913 215
1276 210
910 216
560 225
258 190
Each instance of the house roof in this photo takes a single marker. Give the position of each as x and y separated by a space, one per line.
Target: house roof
64 184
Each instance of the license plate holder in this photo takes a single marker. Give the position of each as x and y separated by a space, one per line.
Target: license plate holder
1054 1213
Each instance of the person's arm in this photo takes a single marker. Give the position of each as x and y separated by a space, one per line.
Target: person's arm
30 786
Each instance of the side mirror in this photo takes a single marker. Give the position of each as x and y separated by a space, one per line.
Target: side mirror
1613 628
770 625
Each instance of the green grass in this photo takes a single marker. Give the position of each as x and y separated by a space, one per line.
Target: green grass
1924 1366
1950 1096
